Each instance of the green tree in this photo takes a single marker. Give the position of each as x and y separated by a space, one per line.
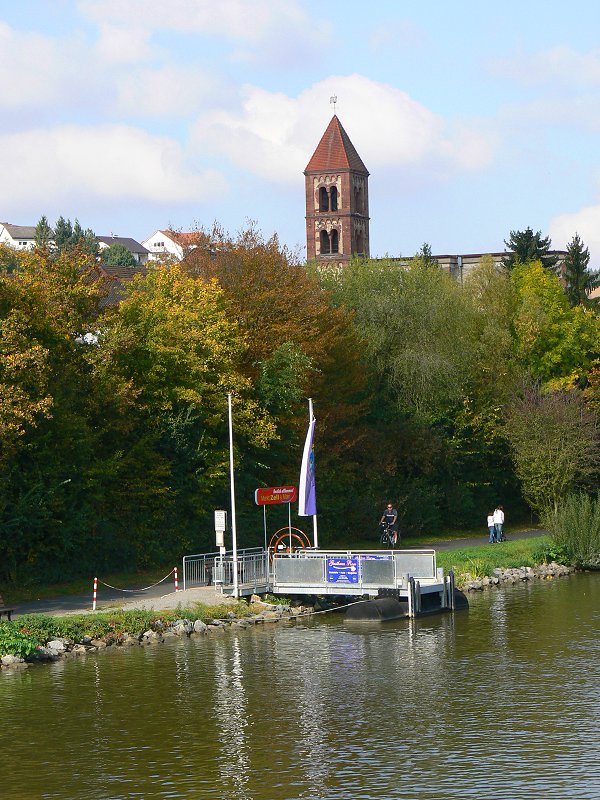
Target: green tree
555 442
579 280
556 343
526 246
43 234
63 234
117 255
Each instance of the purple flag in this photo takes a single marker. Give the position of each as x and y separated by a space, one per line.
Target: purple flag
307 496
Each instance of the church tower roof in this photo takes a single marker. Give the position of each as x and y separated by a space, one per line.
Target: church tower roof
335 151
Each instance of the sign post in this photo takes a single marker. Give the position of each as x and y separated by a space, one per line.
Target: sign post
273 496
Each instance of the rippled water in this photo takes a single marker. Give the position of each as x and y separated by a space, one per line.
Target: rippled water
502 701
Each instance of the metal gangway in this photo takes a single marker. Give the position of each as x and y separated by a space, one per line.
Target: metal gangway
408 574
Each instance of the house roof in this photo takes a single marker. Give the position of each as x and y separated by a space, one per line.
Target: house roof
130 244
20 231
335 151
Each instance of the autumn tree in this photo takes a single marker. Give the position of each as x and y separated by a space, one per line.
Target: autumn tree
557 344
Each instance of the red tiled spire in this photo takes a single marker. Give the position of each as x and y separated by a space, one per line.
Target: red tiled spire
335 151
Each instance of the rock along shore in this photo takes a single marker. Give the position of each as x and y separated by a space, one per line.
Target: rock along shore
188 626
546 572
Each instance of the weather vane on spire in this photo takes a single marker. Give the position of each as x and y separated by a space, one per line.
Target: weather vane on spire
333 101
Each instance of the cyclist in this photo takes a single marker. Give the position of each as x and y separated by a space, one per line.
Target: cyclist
390 515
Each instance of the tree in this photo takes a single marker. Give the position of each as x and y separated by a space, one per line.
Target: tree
526 246
43 234
425 256
557 344
579 281
63 234
555 444
117 255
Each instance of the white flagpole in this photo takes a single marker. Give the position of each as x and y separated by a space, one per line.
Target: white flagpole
236 591
311 416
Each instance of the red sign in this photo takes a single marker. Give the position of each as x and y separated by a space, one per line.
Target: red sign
275 494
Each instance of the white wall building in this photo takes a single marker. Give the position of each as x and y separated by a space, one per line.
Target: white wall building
20 237
172 244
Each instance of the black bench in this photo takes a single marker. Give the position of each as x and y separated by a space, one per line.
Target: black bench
5 609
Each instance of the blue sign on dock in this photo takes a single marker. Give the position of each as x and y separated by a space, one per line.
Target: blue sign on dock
342 570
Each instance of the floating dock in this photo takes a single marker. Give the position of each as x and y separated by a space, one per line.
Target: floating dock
409 577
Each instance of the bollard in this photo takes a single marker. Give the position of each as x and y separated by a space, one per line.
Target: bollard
176 582
94 594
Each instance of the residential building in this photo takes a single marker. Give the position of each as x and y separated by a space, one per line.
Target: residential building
137 250
20 237
170 244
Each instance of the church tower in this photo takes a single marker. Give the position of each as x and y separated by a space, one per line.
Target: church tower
337 199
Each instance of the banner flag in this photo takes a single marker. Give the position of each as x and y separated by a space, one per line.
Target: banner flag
307 496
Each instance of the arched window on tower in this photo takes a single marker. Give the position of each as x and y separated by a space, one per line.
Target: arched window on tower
323 199
360 243
333 197
324 241
358 200
335 248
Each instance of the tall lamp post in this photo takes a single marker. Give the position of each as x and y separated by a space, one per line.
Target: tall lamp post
236 590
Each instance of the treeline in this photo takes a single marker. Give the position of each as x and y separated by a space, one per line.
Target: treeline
113 419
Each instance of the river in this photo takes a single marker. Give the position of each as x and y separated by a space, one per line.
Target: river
501 701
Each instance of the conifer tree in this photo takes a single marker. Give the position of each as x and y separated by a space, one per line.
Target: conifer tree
43 233
526 246
578 278
63 233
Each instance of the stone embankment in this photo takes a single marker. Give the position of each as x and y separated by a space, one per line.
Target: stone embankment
470 583
188 626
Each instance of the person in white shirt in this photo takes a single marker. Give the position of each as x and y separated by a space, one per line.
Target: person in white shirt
498 523
491 527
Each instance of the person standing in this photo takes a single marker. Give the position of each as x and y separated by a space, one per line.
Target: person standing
390 515
499 523
491 527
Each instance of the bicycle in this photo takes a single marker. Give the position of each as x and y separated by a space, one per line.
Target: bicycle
388 539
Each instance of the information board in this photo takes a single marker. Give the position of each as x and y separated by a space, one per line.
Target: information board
342 570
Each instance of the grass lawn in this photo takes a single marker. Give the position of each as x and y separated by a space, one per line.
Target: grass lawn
481 560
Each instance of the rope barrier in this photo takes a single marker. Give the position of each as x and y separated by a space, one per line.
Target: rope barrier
117 589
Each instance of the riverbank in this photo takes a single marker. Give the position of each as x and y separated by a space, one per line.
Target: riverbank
38 639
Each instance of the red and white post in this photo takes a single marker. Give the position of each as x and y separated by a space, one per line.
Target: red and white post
176 581
95 594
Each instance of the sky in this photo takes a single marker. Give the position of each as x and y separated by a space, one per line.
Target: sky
474 119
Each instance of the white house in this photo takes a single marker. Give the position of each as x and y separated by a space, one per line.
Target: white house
20 237
137 250
169 243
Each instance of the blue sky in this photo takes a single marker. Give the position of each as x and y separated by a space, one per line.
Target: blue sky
473 118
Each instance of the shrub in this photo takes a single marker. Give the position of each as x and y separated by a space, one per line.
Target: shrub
15 643
575 527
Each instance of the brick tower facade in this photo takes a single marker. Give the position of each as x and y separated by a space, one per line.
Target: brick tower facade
337 199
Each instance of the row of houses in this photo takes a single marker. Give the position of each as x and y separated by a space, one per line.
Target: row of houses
160 244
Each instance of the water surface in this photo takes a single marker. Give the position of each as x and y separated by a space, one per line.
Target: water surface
501 701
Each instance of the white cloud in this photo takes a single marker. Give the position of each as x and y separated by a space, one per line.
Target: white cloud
273 135
585 222
122 45
261 22
111 162
167 91
37 71
560 66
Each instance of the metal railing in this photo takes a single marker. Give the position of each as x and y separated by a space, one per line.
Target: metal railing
216 569
349 572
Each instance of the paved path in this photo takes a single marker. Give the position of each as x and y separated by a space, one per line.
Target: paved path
163 596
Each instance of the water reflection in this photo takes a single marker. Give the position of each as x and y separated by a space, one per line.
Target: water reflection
231 709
